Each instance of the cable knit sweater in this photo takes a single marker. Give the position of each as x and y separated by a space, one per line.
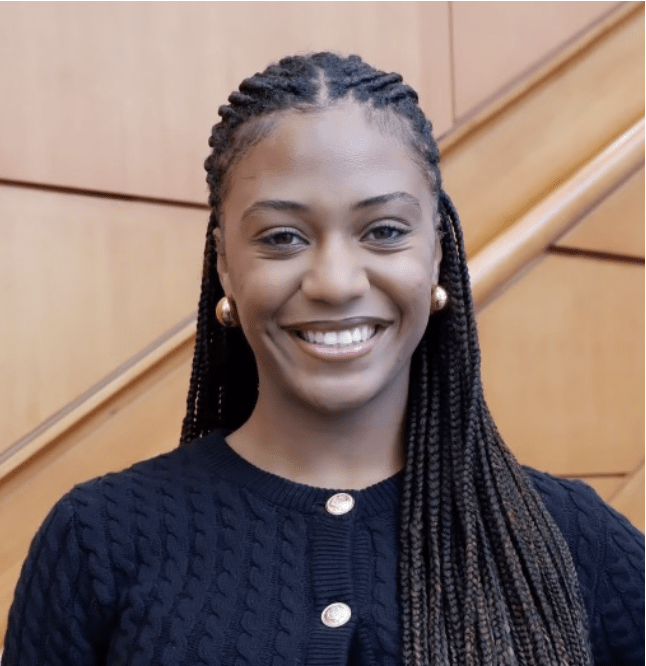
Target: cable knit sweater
197 557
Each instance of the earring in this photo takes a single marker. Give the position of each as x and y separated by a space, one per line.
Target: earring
439 298
226 312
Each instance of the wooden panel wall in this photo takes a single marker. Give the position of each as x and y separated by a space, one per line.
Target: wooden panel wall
86 282
563 354
512 39
528 148
615 226
120 97
562 394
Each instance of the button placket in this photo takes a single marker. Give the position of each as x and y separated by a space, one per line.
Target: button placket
337 613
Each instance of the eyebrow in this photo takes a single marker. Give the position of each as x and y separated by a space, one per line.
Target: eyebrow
387 198
294 206
274 204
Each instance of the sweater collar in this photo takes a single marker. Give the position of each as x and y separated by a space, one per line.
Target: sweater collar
224 463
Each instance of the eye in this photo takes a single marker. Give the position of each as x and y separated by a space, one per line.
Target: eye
282 239
386 233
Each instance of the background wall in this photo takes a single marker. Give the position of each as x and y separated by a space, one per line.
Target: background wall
103 126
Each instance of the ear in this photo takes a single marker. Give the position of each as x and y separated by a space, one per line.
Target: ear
222 266
437 258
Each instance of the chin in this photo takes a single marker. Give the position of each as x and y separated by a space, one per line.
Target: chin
334 407
338 400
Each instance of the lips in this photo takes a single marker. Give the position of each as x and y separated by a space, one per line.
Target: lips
344 338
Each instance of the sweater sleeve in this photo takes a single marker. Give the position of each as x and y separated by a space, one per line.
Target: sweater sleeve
58 616
617 622
608 553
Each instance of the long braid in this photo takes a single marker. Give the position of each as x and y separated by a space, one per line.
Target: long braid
485 575
556 625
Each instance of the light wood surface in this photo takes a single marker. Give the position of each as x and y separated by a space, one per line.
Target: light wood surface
121 97
540 72
96 398
562 363
89 263
85 283
616 225
498 172
518 245
519 36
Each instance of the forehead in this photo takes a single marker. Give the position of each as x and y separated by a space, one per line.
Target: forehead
336 154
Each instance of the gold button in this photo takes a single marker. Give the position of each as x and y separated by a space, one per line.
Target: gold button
336 615
339 504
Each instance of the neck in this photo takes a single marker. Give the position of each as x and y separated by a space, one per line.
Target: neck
350 450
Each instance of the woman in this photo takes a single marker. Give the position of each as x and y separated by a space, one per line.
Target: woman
345 351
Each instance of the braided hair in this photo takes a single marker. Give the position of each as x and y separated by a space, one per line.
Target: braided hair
485 576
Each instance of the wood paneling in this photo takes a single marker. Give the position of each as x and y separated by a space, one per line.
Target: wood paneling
141 421
85 283
494 43
121 97
73 273
500 170
564 207
616 225
563 359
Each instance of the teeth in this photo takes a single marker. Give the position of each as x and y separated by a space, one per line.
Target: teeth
338 338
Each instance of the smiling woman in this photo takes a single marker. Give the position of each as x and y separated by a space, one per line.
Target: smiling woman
341 495
328 249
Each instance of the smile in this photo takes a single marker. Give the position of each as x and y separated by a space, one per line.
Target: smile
339 340
344 338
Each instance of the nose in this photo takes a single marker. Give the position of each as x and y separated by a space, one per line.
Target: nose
337 273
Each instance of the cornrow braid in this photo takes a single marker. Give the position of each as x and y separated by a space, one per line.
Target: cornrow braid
485 576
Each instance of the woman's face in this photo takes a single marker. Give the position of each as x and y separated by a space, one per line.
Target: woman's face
330 254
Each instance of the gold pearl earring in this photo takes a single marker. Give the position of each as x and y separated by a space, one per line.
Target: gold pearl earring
226 312
439 298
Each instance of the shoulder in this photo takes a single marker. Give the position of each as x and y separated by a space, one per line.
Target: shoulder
583 517
596 534
608 553
109 537
170 474
116 514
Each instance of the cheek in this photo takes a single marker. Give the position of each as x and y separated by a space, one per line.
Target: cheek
418 301
260 290
412 281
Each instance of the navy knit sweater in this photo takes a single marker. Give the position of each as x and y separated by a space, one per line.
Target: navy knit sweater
197 557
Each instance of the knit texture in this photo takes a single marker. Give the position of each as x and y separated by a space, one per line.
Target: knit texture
197 557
